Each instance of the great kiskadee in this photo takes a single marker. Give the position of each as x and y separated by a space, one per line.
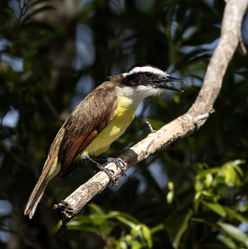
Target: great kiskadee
97 121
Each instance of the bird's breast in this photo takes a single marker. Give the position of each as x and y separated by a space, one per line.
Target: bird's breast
122 118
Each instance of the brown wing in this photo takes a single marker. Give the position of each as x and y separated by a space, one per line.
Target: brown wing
88 119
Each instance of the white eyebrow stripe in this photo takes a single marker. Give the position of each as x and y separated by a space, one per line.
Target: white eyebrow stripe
146 69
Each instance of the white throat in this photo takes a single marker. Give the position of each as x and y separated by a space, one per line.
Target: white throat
135 94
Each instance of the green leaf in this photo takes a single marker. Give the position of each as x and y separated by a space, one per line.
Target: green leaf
233 232
196 203
203 173
107 227
197 167
127 238
234 214
228 242
122 245
113 214
182 229
231 169
125 221
239 170
231 176
171 186
203 220
208 180
157 228
147 235
98 219
216 207
170 196
78 226
198 186
136 245
136 230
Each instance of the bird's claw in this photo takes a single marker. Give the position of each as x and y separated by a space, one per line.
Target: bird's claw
119 163
102 168
108 172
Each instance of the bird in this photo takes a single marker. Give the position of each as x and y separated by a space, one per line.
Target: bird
98 120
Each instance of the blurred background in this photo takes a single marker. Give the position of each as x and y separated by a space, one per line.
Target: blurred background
191 194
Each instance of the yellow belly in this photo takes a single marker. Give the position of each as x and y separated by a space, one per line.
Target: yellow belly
122 118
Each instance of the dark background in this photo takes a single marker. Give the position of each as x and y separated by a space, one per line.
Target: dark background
52 55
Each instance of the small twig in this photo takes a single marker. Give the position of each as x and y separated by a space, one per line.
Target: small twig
150 127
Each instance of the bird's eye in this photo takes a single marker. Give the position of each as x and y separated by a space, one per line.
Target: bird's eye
148 74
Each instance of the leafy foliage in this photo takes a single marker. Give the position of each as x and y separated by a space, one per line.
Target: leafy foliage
192 194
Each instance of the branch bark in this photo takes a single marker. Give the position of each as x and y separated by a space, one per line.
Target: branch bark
178 128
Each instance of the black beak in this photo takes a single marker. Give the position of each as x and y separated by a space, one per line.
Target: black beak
172 79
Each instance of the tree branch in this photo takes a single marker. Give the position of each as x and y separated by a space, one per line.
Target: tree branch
178 128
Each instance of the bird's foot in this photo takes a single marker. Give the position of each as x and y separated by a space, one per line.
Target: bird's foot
119 163
109 172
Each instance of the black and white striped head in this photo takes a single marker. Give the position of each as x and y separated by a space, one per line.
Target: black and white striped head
149 76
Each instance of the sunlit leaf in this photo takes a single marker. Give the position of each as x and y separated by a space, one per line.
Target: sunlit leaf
147 235
209 171
81 227
122 245
170 185
208 180
198 186
228 242
234 232
125 215
125 221
136 245
170 196
136 230
216 207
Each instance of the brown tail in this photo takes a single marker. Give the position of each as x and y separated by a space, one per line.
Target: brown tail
50 169
35 198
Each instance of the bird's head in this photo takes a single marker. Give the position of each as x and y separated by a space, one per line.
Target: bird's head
149 77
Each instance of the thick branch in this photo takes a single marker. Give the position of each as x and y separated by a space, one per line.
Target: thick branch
178 128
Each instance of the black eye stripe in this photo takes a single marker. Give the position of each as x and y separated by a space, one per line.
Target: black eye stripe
140 78
147 74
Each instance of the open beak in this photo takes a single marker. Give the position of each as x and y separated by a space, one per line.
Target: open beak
172 79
